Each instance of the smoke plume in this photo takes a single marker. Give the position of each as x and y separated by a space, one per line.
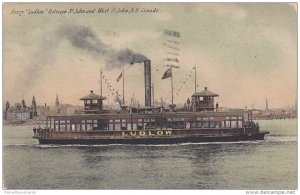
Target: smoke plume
84 38
79 37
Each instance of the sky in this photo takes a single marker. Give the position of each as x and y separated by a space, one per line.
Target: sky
245 52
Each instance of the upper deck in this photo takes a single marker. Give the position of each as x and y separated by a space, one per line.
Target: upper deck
140 121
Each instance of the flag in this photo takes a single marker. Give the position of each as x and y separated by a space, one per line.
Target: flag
119 77
167 74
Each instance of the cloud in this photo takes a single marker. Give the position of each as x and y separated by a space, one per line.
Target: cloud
233 11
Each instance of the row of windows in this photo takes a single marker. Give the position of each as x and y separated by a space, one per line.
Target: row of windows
91 101
146 120
140 126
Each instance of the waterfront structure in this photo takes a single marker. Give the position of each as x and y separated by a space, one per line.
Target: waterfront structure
33 106
20 113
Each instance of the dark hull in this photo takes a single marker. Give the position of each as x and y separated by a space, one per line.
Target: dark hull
155 140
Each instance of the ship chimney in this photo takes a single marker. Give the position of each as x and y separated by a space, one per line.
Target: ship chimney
147 76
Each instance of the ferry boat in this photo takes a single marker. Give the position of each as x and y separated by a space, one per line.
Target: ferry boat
199 121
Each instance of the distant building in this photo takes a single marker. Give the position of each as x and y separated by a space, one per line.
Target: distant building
57 109
33 106
57 105
20 112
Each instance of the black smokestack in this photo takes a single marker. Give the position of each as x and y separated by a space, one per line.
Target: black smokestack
147 76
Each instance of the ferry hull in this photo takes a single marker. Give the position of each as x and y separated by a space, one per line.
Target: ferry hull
155 140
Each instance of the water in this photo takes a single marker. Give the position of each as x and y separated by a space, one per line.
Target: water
268 164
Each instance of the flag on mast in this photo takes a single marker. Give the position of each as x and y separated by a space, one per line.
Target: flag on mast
167 74
119 77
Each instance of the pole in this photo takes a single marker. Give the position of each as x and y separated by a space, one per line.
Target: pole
172 83
101 82
123 88
153 94
195 80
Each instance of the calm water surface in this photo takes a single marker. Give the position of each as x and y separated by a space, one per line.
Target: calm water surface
268 164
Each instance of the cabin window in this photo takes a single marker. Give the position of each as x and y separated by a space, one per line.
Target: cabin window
83 127
239 124
187 125
111 127
95 101
73 127
68 127
88 101
88 127
205 124
212 124
134 126
199 124
62 127
140 126
51 122
193 125
227 124
117 127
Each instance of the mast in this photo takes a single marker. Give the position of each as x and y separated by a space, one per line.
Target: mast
153 94
123 88
195 80
101 82
172 84
171 67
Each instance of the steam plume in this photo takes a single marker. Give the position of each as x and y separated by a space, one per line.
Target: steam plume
79 37
84 38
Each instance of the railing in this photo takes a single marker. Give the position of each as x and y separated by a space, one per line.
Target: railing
42 133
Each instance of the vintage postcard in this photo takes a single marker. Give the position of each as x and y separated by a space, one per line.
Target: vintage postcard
150 96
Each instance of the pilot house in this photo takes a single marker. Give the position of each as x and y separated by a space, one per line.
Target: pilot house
204 100
93 103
